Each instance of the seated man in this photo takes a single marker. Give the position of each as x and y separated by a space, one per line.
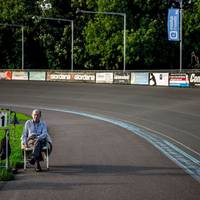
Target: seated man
35 135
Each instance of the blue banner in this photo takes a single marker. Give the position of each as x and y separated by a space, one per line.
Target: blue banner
173 24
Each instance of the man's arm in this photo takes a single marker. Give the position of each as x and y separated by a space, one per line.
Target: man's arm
25 134
44 133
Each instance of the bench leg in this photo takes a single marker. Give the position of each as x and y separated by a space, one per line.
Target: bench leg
47 159
24 159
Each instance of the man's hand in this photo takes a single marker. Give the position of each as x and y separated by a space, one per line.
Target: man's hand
25 145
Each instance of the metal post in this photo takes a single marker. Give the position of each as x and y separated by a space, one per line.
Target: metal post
72 46
111 13
22 47
181 32
7 153
124 42
72 34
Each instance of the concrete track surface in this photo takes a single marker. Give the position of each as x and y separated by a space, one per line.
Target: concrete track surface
97 160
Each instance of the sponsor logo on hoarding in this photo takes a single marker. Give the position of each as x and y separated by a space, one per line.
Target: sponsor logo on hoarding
195 79
180 80
84 77
60 76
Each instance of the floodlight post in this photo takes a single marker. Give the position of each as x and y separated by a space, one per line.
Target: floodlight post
22 47
124 33
72 34
181 35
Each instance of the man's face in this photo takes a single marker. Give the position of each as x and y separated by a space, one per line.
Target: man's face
36 116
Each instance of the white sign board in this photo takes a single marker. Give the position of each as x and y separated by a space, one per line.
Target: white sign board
104 77
3 119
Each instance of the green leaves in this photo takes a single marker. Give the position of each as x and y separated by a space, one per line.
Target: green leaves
98 38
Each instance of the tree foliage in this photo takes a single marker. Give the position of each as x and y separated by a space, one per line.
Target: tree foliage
98 38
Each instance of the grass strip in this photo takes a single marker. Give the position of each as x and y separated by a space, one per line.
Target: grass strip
16 156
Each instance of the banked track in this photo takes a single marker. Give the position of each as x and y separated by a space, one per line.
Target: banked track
186 161
190 164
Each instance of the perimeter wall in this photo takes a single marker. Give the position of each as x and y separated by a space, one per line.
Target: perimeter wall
148 78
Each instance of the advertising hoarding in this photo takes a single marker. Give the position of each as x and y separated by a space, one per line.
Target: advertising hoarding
2 76
19 75
194 79
121 78
71 76
104 77
140 78
5 75
179 80
159 79
82 77
58 76
37 76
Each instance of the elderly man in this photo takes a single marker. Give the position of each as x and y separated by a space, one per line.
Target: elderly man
35 135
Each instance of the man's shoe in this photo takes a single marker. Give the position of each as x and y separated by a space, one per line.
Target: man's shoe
38 169
32 161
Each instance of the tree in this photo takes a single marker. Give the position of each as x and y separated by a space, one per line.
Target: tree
98 38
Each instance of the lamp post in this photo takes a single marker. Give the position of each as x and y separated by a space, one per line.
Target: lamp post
72 34
111 13
22 29
181 35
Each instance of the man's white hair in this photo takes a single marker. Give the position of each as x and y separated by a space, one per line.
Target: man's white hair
36 111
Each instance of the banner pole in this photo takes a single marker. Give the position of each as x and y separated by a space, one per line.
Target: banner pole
181 36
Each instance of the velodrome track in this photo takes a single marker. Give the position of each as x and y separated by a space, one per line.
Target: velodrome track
95 156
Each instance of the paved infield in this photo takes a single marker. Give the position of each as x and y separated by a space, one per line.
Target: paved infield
93 159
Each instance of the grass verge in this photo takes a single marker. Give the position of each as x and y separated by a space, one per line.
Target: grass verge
16 156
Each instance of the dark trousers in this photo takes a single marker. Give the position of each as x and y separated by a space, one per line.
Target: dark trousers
39 144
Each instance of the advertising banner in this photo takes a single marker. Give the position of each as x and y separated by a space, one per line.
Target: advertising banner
8 75
159 79
71 76
140 78
194 79
82 76
5 75
104 77
58 76
37 76
173 24
121 78
2 76
19 75
179 80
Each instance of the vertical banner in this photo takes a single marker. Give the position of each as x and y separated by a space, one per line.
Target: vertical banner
173 24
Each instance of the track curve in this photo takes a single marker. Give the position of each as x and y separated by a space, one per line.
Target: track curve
105 161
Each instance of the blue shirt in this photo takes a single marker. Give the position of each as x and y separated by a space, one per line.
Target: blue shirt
30 128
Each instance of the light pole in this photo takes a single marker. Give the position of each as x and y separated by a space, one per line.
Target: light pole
181 34
72 34
22 29
111 13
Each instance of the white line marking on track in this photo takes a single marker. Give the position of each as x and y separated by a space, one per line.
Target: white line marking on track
187 162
